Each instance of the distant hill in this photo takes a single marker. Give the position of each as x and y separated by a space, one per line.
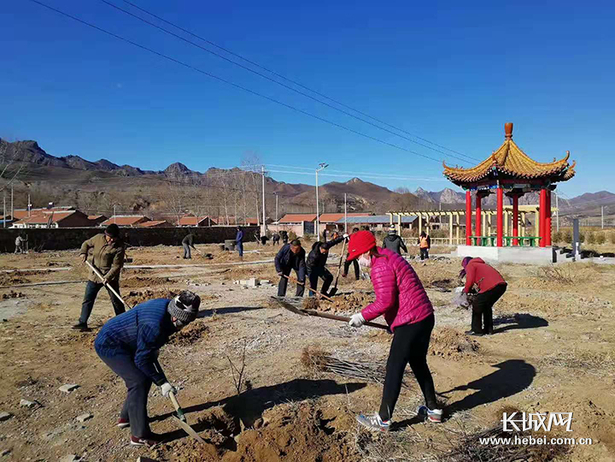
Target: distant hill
96 186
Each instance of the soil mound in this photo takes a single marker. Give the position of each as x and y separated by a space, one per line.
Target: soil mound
9 279
293 432
139 296
141 281
348 303
448 343
190 334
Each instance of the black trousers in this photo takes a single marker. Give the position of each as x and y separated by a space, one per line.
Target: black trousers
187 251
138 384
354 263
410 344
424 254
91 291
324 274
482 307
284 283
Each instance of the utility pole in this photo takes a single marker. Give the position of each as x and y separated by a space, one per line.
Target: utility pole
602 216
12 206
345 215
276 206
556 212
114 216
321 166
264 217
4 212
29 205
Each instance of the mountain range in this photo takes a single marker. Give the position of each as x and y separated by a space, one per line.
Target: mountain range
70 177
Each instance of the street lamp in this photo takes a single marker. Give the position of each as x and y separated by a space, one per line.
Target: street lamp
321 166
276 206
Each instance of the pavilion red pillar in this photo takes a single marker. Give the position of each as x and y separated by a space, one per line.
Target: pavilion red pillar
542 208
478 224
547 218
500 212
515 223
468 217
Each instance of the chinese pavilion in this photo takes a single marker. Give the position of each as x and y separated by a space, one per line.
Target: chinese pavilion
512 172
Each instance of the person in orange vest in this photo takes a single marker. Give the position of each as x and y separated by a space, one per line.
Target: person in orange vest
424 245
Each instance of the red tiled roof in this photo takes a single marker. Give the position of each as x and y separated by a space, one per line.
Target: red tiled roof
44 218
23 213
125 220
153 223
189 220
95 217
333 217
297 217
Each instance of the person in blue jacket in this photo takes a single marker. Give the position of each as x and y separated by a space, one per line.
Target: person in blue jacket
239 242
129 345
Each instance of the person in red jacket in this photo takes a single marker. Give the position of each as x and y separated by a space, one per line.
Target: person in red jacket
491 286
402 300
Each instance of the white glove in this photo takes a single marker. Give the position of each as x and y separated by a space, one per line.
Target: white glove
167 388
357 320
346 236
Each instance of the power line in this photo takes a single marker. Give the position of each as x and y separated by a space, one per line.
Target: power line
166 31
226 50
228 82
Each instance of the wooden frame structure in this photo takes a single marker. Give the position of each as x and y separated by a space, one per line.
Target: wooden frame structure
453 218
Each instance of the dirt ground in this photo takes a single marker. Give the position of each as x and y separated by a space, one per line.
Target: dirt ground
553 351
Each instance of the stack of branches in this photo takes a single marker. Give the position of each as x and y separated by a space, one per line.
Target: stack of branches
470 449
317 360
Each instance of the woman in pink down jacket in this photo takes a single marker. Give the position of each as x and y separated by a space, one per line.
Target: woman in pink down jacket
401 299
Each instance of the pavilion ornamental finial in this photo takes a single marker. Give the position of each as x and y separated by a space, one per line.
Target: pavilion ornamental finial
508 129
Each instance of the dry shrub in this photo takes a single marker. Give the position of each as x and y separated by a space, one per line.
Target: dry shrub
316 360
561 275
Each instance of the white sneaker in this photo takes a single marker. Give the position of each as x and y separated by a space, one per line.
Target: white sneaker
433 415
374 422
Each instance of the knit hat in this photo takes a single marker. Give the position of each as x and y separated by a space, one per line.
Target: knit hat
360 242
112 230
185 306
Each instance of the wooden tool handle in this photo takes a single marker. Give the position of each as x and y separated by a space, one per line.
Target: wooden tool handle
178 409
311 290
343 318
102 279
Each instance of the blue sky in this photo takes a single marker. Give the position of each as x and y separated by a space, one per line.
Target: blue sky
450 72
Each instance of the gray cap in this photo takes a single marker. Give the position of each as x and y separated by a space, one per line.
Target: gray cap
185 306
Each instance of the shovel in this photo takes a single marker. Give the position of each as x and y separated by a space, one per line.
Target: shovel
107 286
180 418
333 291
311 290
318 314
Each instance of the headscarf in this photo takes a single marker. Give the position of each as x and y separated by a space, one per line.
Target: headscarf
464 263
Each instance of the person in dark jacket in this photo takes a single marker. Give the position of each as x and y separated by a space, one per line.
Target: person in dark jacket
284 237
188 242
354 263
129 345
291 256
239 242
394 242
275 238
491 286
107 255
316 264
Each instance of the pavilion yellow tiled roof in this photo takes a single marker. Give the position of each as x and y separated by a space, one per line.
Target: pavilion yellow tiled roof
509 161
